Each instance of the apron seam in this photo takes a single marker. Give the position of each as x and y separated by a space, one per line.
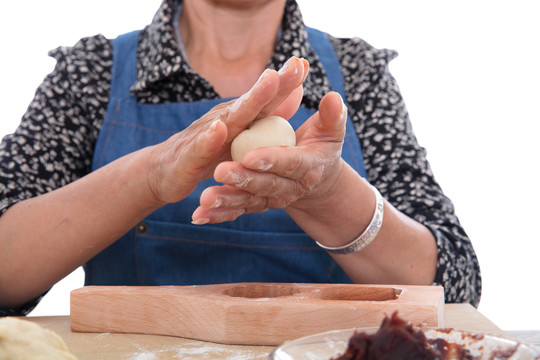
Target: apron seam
223 243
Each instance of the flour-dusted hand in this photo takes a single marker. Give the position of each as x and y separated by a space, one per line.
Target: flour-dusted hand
77 221
276 177
177 165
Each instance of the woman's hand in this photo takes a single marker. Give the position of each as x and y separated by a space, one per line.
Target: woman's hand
276 177
177 165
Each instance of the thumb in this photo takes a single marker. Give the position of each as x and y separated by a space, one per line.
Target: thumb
328 123
333 114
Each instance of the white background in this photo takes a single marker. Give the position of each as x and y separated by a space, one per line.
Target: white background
469 72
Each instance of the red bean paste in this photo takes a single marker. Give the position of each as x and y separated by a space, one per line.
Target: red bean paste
398 340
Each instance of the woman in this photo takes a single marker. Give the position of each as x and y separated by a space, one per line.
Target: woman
111 162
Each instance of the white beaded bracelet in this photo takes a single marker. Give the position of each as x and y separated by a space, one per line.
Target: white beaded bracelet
368 235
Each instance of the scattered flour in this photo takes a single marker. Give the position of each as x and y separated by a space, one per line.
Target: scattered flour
194 351
144 356
210 352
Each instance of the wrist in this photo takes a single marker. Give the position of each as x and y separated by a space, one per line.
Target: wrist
368 235
341 214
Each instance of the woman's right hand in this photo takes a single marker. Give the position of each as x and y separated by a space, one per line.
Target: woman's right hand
177 165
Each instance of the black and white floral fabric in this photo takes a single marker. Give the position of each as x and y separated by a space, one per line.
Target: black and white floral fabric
54 143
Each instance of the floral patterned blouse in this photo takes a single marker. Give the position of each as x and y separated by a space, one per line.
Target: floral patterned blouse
54 143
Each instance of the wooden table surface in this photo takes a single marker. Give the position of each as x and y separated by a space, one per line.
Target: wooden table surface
92 346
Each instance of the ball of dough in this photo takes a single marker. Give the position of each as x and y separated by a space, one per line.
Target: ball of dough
268 131
25 340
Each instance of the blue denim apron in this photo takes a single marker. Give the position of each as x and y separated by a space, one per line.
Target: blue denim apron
165 248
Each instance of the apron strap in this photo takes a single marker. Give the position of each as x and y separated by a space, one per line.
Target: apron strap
124 70
327 56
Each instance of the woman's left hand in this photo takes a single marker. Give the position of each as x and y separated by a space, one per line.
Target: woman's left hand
276 177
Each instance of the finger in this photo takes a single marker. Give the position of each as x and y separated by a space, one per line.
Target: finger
327 124
173 160
302 165
290 105
216 197
203 216
286 102
242 111
272 89
279 190
205 148
333 114
319 143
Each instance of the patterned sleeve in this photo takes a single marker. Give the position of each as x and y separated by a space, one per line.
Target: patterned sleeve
54 142
396 164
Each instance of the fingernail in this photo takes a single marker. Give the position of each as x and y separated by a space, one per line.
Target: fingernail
232 176
305 63
237 179
285 66
262 76
200 221
344 111
239 212
260 165
212 127
216 203
236 105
